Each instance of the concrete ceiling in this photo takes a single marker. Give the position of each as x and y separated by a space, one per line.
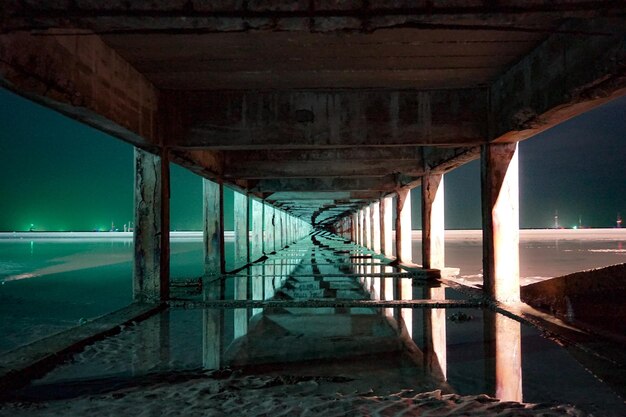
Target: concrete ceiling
388 58
322 106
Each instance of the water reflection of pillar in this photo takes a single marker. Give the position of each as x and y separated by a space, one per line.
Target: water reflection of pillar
504 344
434 342
213 327
404 316
376 289
152 344
257 280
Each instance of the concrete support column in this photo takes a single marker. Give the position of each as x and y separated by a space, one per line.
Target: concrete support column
433 228
362 227
151 235
242 227
242 257
358 227
268 214
368 227
257 230
386 231
403 227
213 227
281 229
500 212
375 222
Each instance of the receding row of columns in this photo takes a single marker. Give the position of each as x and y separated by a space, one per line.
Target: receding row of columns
371 226
269 229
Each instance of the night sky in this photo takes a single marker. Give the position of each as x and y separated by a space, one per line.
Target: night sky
57 174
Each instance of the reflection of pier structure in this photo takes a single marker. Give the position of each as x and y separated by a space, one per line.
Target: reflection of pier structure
322 117
319 114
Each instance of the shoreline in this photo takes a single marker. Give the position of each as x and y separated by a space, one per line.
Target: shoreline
471 234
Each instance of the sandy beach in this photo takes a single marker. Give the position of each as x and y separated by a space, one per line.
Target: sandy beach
226 393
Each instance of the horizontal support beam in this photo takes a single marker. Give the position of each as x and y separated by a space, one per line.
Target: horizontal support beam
189 304
356 154
83 78
200 17
315 195
231 120
382 184
307 169
563 77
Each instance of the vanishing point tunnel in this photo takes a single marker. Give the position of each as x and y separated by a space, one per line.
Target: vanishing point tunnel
320 114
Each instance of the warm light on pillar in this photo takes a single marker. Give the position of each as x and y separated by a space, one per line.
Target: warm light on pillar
375 222
403 227
500 206
433 228
387 221
367 230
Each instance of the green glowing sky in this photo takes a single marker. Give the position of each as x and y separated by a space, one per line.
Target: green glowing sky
57 174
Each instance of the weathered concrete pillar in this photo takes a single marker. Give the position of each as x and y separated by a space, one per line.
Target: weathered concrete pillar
362 236
151 235
433 228
386 218
500 212
241 226
256 247
268 216
403 227
281 228
242 257
213 227
367 228
375 222
357 225
276 228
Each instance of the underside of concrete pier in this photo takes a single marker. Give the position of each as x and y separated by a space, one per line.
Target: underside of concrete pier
320 109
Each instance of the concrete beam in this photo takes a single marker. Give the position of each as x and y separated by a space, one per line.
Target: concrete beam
334 196
151 233
500 212
379 184
566 75
196 17
213 227
83 78
320 169
207 164
230 120
400 153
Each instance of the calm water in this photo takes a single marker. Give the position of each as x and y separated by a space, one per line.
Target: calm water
50 284
384 350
